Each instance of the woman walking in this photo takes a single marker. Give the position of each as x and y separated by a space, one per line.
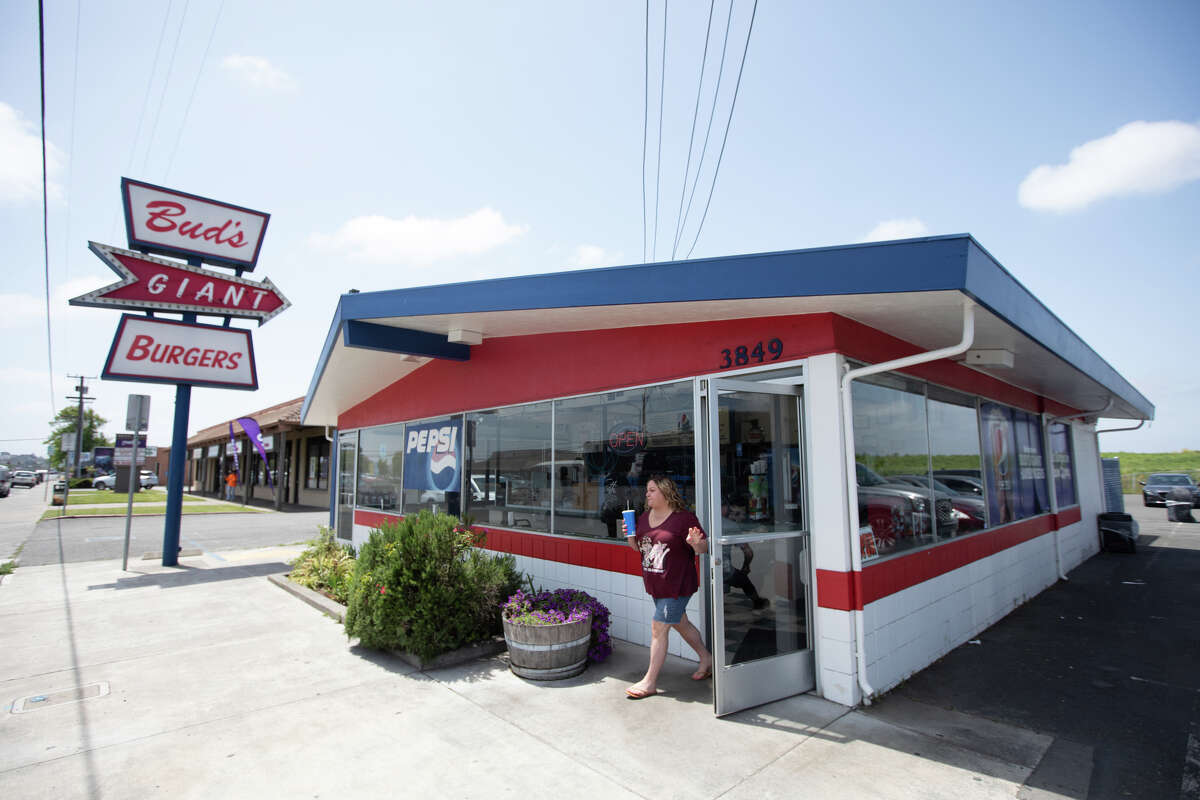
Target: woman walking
668 537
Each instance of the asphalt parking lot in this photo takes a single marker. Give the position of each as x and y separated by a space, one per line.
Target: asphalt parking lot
1107 662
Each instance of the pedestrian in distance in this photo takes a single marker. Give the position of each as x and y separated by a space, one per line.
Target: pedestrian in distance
668 537
231 485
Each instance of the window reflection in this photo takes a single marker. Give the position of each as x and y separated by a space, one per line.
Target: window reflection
765 599
1064 467
380 467
606 447
508 453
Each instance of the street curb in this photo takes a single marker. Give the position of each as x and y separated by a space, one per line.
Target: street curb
315 599
486 649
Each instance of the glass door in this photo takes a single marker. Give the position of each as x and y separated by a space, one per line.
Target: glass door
758 529
347 460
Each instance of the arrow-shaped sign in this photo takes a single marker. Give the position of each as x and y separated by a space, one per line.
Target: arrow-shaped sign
155 283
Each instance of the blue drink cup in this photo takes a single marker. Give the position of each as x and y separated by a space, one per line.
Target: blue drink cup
630 521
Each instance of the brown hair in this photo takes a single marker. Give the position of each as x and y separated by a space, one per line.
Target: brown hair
669 491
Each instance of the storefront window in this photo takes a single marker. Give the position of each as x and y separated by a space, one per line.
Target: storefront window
954 456
317 474
433 457
380 467
605 448
891 453
1013 464
1064 465
508 465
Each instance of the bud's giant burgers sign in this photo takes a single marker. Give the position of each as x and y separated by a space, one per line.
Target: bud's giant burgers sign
152 350
166 221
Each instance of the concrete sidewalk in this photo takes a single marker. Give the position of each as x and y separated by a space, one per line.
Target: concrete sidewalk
206 680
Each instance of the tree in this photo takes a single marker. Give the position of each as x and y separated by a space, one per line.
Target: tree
67 422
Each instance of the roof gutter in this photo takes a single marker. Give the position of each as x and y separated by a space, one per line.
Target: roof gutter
968 338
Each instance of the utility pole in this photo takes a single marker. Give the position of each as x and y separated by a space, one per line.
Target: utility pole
81 391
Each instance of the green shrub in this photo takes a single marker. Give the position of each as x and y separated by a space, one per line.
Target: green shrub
326 566
81 483
420 586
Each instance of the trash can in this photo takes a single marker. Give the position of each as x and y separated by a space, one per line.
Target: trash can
1179 505
1118 532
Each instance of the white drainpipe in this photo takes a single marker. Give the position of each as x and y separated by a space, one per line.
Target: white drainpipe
968 338
1049 456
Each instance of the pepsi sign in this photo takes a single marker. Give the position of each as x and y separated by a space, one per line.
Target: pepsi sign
432 455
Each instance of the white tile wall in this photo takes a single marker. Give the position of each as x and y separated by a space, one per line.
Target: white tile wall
911 629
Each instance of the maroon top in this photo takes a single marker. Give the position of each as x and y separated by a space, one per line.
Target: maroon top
668 561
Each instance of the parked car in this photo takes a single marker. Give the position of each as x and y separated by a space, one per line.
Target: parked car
897 510
963 484
104 482
968 508
1158 485
24 477
5 481
147 479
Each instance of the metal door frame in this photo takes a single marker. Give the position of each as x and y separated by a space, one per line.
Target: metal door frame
752 683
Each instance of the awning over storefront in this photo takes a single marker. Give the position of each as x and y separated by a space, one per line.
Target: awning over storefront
912 290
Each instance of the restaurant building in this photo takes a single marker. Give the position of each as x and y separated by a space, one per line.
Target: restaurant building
891 445
298 458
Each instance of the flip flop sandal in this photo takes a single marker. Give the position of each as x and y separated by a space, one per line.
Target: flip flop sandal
701 676
639 694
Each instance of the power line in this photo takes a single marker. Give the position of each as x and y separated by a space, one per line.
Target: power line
71 146
137 132
166 82
658 166
645 125
45 201
199 72
712 113
728 124
692 136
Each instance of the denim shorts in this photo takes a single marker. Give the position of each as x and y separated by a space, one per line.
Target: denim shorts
670 609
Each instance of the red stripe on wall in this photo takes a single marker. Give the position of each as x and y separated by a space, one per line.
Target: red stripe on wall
873 346
1069 516
609 556
373 519
850 591
578 362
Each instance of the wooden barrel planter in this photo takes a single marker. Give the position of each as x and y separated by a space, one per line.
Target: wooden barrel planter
548 652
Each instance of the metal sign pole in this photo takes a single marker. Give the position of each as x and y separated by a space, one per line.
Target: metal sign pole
183 405
137 416
133 482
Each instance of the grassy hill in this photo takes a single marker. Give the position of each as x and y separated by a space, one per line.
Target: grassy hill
1135 466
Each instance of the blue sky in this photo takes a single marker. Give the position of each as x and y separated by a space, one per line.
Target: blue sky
411 143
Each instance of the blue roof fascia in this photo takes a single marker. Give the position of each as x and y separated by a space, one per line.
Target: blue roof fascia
994 287
323 361
387 339
911 265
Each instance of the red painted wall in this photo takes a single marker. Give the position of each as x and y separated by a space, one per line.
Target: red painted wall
522 369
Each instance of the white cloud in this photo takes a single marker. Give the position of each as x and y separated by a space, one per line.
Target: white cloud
379 240
590 255
258 73
896 229
1140 158
21 161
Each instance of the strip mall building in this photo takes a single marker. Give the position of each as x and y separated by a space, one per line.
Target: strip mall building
891 445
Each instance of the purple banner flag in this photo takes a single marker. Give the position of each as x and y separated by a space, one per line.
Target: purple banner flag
255 433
